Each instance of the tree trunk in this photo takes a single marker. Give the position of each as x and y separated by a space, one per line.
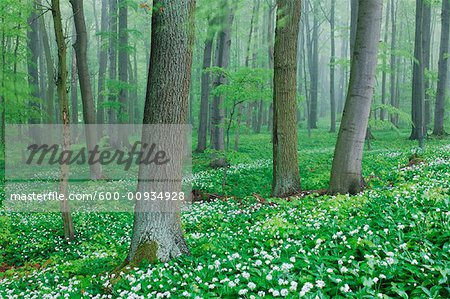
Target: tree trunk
442 71
346 174
342 77
158 236
270 42
393 65
61 84
74 96
353 24
112 99
103 62
426 48
314 69
87 100
384 74
205 89
222 61
332 68
33 74
286 174
50 71
123 72
418 88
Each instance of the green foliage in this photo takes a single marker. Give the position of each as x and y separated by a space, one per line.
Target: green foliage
383 124
245 84
391 241
14 89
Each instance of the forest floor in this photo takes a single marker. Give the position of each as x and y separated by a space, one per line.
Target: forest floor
390 241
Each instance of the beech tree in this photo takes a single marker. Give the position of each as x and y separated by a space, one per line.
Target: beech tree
222 61
346 174
443 71
206 86
286 174
89 116
157 235
418 87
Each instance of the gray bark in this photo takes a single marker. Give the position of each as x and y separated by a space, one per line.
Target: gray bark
87 99
346 176
103 62
393 60
418 88
332 68
384 74
442 71
222 61
205 89
123 72
112 98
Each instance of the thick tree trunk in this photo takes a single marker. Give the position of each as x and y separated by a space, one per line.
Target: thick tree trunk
346 174
61 84
205 89
443 71
418 88
103 62
157 236
286 174
87 99
332 68
222 61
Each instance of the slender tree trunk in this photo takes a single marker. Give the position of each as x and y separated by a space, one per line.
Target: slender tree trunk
443 71
222 60
346 174
342 81
112 99
418 90
205 89
33 46
158 236
50 71
123 72
61 83
353 24
270 42
332 68
74 96
384 74
103 62
314 69
426 48
286 174
393 61
87 99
